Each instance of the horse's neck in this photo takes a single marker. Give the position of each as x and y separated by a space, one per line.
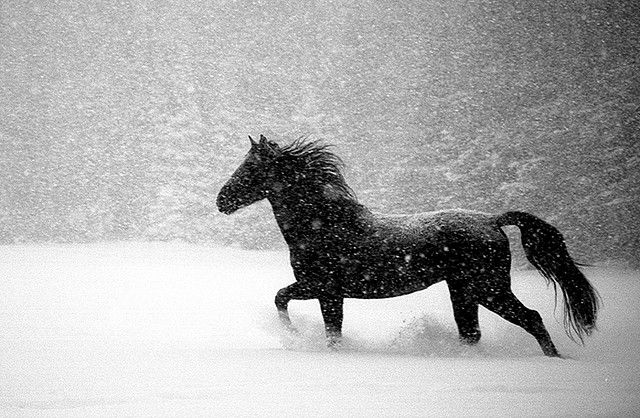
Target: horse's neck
297 206
309 212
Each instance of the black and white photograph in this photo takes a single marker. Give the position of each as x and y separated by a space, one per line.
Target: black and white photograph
319 208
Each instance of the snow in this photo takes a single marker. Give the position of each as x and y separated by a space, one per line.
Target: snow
139 329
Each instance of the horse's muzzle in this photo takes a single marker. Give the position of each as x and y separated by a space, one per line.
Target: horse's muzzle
225 205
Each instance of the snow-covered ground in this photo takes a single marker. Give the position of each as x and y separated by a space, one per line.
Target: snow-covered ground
183 330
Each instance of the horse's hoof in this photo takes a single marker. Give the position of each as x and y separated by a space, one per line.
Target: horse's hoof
471 339
553 354
334 344
290 329
550 351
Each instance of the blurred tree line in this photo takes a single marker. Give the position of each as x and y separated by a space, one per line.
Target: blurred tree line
121 120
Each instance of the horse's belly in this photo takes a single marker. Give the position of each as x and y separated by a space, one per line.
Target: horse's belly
372 284
398 273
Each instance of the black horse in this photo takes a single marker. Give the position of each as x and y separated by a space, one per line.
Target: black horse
339 249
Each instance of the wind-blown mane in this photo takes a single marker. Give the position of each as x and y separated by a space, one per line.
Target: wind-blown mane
318 165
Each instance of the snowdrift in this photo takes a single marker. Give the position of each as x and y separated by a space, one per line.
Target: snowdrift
128 329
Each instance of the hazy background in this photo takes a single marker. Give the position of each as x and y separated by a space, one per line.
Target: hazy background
121 120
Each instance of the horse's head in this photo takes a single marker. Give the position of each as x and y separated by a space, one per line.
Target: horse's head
253 180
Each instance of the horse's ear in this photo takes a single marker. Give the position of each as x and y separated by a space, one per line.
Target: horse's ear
253 143
269 148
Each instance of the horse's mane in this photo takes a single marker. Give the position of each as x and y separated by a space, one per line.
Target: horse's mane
320 166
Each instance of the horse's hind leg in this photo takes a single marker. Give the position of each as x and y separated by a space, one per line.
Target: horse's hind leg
506 304
465 312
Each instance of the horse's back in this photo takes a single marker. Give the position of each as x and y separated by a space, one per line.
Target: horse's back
447 239
447 226
401 254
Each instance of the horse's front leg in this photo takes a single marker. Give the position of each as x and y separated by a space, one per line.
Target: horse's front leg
285 295
332 313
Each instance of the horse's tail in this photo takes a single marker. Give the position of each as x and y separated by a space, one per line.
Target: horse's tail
545 249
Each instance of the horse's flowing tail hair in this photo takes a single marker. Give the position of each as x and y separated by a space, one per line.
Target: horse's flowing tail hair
545 248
